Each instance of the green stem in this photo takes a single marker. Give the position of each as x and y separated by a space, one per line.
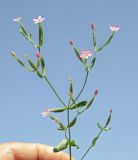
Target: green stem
69 130
28 37
54 91
86 77
32 42
91 146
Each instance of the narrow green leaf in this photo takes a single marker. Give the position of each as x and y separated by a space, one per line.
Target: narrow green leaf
73 143
99 126
57 109
23 29
92 62
20 62
72 123
32 65
90 103
108 119
107 129
61 146
39 74
80 104
78 54
95 140
61 127
41 35
43 66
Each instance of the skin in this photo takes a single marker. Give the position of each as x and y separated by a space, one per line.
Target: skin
29 151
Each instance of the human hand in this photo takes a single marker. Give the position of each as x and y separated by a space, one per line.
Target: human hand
29 151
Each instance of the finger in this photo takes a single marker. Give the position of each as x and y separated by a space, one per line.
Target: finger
29 151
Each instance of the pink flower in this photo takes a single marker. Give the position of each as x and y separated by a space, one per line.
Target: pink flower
85 54
45 112
96 92
38 20
93 26
114 28
38 54
71 42
17 19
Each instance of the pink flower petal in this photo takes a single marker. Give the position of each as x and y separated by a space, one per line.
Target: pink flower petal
114 28
38 20
85 54
45 112
17 19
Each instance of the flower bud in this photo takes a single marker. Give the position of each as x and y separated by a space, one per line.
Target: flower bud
38 54
93 26
26 56
110 110
71 42
96 92
57 120
13 54
70 87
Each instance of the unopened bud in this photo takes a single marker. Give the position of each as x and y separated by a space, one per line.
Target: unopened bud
38 54
26 56
71 42
110 110
93 26
96 92
70 87
13 54
57 120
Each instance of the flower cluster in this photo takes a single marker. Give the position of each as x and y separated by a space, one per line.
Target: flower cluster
75 105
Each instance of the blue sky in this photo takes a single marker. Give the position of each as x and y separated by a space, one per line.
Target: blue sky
24 95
